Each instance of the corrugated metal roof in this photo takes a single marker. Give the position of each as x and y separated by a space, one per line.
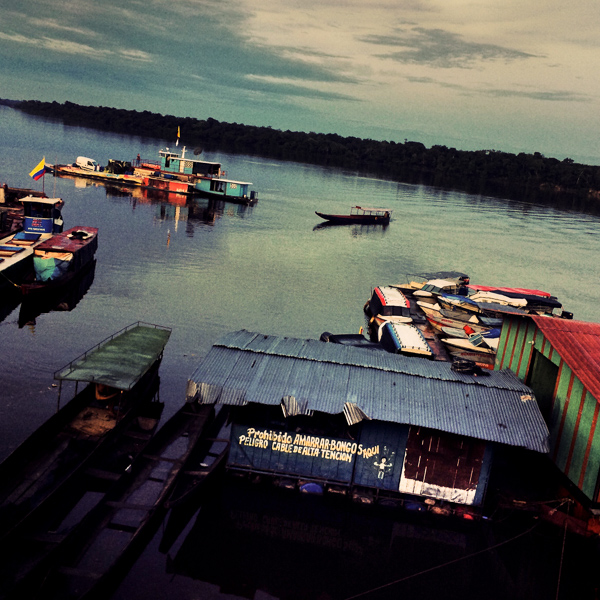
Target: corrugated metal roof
121 360
578 343
251 367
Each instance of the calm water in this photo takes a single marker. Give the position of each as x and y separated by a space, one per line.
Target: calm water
204 269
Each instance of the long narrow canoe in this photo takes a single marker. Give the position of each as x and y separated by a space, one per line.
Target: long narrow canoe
36 541
361 215
98 552
119 372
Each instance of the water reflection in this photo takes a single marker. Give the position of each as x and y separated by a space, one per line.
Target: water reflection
355 229
253 542
64 298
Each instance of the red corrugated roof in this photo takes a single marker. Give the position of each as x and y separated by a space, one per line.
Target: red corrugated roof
578 343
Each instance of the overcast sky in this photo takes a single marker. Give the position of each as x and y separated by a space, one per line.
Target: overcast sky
508 75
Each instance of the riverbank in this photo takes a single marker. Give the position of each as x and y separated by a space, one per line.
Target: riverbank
562 184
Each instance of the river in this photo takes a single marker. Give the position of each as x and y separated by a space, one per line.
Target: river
206 268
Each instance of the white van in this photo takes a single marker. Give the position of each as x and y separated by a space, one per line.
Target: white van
89 164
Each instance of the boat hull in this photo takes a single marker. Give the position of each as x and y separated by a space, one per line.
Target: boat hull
354 219
134 507
60 259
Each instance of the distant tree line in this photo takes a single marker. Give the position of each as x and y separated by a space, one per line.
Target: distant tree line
529 177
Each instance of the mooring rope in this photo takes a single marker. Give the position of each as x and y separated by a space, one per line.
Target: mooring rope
381 587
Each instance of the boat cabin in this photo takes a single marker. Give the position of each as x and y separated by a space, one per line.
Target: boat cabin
361 211
225 187
175 162
324 417
388 301
42 215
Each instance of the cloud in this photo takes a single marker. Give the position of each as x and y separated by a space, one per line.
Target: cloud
290 87
55 24
75 48
558 96
439 48
545 95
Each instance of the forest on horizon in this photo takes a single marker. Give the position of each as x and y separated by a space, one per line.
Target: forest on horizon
527 177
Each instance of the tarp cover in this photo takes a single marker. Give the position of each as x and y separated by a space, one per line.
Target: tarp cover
122 360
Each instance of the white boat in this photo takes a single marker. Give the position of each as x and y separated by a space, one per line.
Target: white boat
404 338
387 301
491 297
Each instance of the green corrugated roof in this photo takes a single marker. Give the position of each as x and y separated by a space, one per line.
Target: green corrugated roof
121 360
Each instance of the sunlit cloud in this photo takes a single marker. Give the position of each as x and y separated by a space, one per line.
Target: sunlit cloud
64 46
60 26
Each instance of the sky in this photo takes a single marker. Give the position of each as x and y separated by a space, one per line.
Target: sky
505 75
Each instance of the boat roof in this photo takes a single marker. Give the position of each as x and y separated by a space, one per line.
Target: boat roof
121 360
68 241
514 290
41 200
372 209
391 296
232 181
408 337
181 155
440 275
441 283
246 367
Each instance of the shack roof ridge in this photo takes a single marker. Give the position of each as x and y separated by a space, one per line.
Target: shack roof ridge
436 370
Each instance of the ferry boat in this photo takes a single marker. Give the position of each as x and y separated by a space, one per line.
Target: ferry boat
203 177
174 172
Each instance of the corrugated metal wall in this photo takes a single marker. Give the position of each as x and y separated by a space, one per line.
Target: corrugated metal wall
573 415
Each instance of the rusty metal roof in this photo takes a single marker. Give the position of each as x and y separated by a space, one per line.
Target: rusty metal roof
312 375
578 343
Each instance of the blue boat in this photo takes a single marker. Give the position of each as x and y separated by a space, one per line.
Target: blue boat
207 178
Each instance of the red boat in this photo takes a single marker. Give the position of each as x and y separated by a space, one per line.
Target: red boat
60 258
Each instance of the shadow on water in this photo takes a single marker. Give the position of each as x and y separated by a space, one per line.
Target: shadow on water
250 540
11 298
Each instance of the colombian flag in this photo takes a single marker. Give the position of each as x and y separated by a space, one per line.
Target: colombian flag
39 170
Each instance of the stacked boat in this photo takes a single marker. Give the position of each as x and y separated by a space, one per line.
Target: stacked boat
445 307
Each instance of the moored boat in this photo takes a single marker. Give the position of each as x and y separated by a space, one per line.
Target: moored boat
42 218
39 539
483 355
174 172
118 372
388 301
361 215
58 260
85 565
404 338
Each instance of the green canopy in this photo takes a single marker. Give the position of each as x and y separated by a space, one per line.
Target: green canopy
121 360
